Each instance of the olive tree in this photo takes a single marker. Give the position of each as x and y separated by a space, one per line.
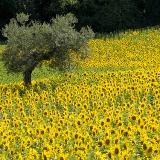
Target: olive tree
31 42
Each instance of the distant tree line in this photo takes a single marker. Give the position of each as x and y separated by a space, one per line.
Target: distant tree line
102 15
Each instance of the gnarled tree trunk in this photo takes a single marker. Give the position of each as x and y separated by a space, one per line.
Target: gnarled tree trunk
33 59
27 77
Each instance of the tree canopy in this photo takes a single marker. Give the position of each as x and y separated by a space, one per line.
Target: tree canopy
31 42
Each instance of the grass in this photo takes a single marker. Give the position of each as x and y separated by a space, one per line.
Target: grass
38 73
2 47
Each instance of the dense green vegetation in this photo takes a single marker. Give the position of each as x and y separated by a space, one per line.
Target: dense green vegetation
102 15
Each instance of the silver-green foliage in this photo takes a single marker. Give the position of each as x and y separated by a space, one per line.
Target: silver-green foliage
30 42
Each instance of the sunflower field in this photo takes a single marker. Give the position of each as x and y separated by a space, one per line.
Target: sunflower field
108 108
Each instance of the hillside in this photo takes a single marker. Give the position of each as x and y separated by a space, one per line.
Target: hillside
106 108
